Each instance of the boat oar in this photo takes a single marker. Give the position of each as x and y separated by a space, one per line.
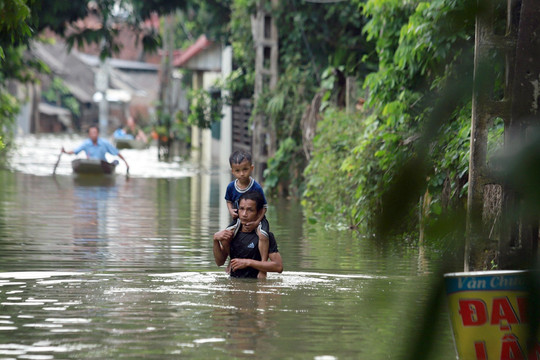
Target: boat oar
57 162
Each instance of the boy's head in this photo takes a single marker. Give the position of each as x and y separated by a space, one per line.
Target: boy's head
241 166
239 156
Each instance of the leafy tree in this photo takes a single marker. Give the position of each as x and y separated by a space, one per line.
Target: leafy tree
418 54
14 31
312 38
116 13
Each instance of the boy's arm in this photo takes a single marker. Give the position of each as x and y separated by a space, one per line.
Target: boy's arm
231 209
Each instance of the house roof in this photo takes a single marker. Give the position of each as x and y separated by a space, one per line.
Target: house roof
202 55
77 71
94 61
77 76
64 115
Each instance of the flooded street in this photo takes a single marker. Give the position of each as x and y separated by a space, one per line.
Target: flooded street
122 267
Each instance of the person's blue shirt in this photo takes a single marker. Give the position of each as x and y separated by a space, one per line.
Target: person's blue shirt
234 192
121 134
97 151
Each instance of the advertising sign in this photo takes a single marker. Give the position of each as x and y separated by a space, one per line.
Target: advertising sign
489 315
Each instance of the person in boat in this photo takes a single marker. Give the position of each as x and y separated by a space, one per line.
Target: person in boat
96 147
241 244
120 133
131 130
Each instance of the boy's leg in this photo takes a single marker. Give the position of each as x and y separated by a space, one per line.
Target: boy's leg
262 231
265 226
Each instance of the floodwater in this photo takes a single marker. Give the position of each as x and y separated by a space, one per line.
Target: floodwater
123 268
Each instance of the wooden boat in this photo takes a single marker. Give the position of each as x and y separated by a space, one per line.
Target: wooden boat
130 144
93 166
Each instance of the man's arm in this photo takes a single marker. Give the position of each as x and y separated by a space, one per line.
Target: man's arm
275 264
121 157
70 152
220 253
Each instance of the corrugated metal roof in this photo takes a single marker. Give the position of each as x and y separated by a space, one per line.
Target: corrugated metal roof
94 61
77 76
77 71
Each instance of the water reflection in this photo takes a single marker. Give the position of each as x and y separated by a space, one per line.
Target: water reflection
90 216
245 314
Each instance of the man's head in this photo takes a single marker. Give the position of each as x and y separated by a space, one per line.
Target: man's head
249 205
241 166
93 133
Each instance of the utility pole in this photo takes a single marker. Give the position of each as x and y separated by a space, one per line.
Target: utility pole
165 112
265 38
102 84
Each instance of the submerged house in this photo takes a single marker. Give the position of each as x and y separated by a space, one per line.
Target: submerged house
132 90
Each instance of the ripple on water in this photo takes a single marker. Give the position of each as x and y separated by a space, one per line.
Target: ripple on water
27 275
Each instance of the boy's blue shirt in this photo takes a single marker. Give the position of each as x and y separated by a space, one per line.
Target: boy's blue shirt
233 193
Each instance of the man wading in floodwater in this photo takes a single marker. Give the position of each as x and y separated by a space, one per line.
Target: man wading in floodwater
244 250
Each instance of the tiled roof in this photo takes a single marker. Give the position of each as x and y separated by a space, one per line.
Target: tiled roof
201 44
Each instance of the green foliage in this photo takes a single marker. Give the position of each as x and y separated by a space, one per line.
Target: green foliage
196 18
283 165
15 30
331 177
417 53
57 15
58 93
211 18
320 36
13 26
311 37
145 8
204 108
241 37
176 128
241 41
9 108
308 43
238 85
116 14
